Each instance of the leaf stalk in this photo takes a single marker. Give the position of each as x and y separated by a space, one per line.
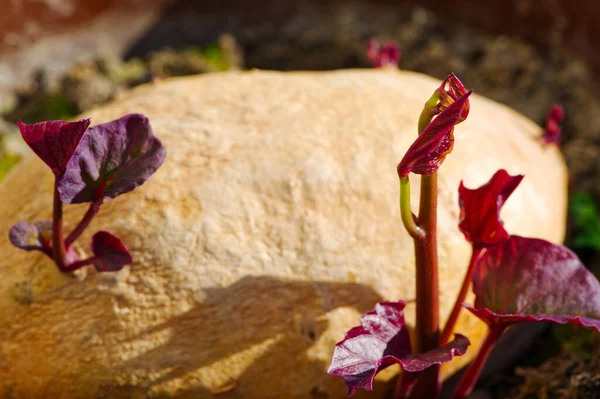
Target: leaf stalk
427 324
59 250
464 289
84 223
469 378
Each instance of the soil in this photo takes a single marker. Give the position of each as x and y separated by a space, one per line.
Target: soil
506 69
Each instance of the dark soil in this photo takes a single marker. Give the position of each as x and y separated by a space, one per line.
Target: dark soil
572 374
528 79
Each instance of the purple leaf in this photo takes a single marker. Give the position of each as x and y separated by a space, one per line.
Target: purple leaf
553 128
54 141
441 355
368 348
32 237
480 209
37 237
382 340
110 254
112 159
429 150
387 55
449 92
527 279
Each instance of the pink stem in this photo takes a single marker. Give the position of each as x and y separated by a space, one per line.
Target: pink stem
469 379
427 330
464 289
84 223
59 250
405 383
80 263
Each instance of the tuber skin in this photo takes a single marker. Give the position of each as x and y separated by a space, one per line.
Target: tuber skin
514 279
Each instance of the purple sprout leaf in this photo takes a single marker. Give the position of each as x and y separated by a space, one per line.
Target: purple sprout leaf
54 141
553 128
444 354
110 254
37 237
480 209
113 158
372 346
429 150
380 341
527 279
32 236
449 92
387 55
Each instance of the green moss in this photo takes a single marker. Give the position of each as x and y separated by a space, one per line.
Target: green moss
123 73
584 213
7 161
212 54
583 342
44 107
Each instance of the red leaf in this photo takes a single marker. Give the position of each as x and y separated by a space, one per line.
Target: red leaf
113 158
380 341
553 128
527 279
109 251
429 150
32 236
449 92
441 355
54 141
480 209
386 56
37 237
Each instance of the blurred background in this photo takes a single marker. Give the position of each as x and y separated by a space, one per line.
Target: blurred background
59 58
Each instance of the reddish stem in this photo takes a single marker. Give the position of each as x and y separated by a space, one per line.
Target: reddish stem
80 263
469 378
84 223
466 284
59 250
427 325
404 385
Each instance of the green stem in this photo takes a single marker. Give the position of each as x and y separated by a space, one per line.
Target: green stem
464 289
58 244
429 111
408 218
427 325
469 378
